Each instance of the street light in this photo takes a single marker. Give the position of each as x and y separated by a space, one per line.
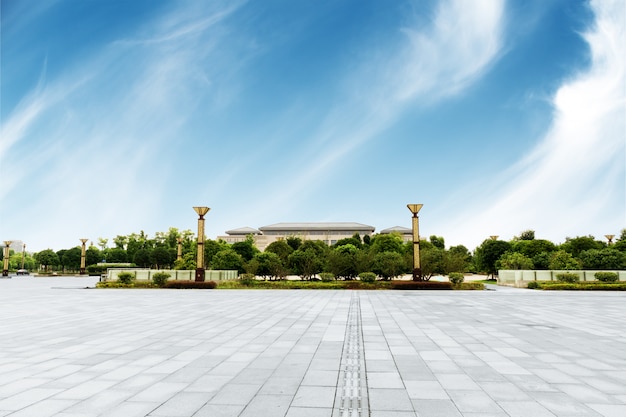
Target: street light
609 238
417 270
200 259
5 268
23 253
494 237
83 254
179 252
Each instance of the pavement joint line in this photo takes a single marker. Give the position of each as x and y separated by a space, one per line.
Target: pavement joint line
352 393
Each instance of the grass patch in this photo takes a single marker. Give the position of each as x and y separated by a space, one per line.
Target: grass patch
134 284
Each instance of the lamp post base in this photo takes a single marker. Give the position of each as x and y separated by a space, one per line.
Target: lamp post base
5 273
417 274
199 274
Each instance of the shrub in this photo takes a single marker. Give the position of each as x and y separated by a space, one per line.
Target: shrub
160 278
209 285
327 276
533 285
126 277
567 277
606 276
456 278
420 285
367 277
470 286
247 279
117 284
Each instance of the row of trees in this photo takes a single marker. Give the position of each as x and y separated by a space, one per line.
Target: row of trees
386 255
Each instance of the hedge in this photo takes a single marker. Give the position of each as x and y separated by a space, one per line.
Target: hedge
420 285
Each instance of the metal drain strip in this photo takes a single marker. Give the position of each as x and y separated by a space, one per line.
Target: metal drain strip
351 399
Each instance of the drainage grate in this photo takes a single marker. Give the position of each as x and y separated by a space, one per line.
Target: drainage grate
351 400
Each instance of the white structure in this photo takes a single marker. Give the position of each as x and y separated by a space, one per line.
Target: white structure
326 232
405 232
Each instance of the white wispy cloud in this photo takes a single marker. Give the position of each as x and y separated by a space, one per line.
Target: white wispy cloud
576 175
463 40
89 143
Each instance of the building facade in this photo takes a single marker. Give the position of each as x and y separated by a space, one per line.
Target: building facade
328 232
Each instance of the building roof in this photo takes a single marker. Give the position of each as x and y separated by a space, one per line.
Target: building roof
318 226
400 229
243 231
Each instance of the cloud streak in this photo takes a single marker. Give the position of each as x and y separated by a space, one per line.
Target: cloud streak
577 172
441 60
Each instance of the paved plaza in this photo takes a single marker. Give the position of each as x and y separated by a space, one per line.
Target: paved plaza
71 351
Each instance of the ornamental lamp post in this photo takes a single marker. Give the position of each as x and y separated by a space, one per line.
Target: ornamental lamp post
200 259
609 238
417 270
179 253
5 268
23 254
83 254
494 237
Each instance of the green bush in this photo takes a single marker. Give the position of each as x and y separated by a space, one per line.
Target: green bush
117 284
456 278
591 286
327 276
420 285
160 278
368 277
606 276
470 286
533 285
567 277
247 280
209 285
126 277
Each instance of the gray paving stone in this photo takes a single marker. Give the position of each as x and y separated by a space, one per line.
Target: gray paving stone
87 353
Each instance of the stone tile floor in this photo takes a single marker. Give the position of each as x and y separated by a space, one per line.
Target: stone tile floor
73 352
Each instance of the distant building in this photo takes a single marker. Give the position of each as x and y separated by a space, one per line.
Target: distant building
407 234
329 233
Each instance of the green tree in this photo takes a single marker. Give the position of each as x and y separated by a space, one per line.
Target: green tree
488 253
294 241
228 259
356 242
269 265
92 256
514 260
526 235
71 259
391 242
541 260
579 244
120 241
142 258
531 248
47 258
438 242
116 256
562 260
280 248
211 247
607 258
343 261
161 257
246 249
432 261
389 265
306 262
102 243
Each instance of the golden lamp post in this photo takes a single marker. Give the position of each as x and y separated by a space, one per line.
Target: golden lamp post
83 254
7 253
417 270
200 260
179 253
23 254
609 238
494 237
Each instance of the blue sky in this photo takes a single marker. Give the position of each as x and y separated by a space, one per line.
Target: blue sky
119 116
